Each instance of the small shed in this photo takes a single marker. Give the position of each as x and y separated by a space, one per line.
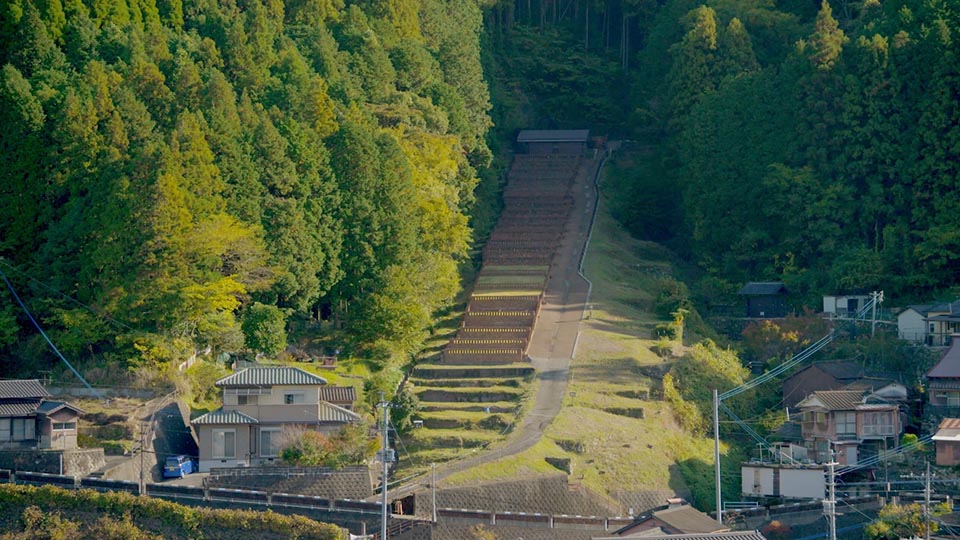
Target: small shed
765 299
947 440
553 141
844 304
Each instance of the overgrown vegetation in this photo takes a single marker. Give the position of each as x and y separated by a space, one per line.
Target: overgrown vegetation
54 513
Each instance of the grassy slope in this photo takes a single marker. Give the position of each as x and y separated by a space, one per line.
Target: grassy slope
615 452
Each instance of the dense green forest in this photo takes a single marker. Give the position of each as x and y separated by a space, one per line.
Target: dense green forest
184 175
178 175
832 167
810 142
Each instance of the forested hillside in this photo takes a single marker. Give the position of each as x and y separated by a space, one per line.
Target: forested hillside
834 167
184 174
813 143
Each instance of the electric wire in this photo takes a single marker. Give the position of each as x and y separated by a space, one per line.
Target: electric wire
91 309
46 338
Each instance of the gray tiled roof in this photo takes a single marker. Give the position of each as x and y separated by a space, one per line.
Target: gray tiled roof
271 376
331 413
338 394
839 400
221 416
689 520
949 364
553 135
726 535
19 407
763 288
50 407
22 388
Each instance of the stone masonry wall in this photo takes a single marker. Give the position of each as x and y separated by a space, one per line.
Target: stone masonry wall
76 462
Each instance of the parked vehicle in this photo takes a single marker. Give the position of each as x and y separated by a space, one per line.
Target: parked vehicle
178 466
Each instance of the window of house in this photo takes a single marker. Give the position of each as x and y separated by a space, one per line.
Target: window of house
224 443
953 399
846 423
248 400
295 397
22 429
269 442
64 426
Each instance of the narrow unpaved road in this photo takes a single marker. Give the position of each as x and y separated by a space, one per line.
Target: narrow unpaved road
554 336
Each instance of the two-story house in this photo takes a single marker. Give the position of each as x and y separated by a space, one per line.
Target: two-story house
930 324
259 403
856 424
29 419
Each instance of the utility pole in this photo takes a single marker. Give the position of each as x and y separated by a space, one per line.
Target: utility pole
830 503
143 446
385 461
926 504
716 452
433 489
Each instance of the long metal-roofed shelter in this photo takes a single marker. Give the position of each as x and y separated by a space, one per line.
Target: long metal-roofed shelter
553 141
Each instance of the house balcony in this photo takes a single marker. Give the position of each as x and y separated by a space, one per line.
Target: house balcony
878 430
846 436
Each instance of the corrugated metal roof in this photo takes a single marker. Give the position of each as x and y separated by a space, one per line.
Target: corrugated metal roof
949 423
553 135
689 520
331 413
271 376
19 407
949 364
22 388
763 288
221 416
338 394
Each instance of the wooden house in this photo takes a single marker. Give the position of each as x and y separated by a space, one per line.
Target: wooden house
852 423
943 380
947 441
30 420
765 299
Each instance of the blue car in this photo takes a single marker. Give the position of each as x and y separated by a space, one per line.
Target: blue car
177 466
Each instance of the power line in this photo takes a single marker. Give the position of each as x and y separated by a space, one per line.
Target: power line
89 308
45 337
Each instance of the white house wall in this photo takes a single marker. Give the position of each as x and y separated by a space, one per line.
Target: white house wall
911 326
758 481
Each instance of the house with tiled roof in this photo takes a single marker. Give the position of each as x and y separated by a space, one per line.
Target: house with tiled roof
943 381
259 403
29 419
930 324
841 375
853 424
676 518
947 441
724 535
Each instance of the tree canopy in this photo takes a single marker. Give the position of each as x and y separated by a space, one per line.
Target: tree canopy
176 166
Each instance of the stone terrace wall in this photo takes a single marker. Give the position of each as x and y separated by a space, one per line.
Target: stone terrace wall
76 462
